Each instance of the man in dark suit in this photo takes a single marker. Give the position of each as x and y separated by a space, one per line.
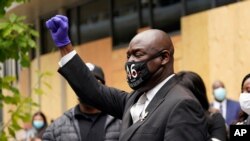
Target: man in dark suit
229 108
158 110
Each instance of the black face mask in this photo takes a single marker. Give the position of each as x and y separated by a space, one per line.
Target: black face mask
138 72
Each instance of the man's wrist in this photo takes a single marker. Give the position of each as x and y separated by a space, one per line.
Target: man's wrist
64 50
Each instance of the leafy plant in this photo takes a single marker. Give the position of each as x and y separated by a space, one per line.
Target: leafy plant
20 104
17 38
18 111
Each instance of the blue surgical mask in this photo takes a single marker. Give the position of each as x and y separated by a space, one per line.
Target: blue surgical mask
38 124
220 94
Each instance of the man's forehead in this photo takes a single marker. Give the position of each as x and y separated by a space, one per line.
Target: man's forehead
218 84
143 39
145 49
148 41
140 45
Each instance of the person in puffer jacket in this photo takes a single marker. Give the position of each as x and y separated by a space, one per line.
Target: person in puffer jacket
83 122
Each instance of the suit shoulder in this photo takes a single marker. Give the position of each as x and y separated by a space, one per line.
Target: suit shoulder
181 93
230 101
179 96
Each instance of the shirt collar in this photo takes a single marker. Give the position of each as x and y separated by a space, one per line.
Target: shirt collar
151 93
223 103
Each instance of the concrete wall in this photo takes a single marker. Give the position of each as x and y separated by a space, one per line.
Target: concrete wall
216 45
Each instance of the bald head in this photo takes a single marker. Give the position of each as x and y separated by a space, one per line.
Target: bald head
153 47
154 39
218 84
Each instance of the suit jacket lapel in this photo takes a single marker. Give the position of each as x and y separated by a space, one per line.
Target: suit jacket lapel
127 119
128 128
160 96
130 131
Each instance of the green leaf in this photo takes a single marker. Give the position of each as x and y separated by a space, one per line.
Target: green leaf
14 90
27 100
31 43
1 95
26 117
9 79
9 100
22 43
25 61
47 73
47 85
3 25
34 33
16 127
1 105
16 99
38 91
17 28
11 131
21 18
2 12
12 18
7 32
35 104
3 136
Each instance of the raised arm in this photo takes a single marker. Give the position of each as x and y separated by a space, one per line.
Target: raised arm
81 80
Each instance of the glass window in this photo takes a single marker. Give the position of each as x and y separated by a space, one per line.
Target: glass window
73 16
47 44
94 20
125 21
167 15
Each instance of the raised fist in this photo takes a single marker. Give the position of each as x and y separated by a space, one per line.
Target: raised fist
58 26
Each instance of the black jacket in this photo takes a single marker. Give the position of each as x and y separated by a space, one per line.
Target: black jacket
66 128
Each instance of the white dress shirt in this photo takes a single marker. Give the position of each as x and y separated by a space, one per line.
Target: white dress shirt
217 105
149 96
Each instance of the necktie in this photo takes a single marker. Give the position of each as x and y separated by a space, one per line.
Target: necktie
137 109
221 109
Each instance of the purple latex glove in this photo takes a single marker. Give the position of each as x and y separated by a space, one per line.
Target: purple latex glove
58 26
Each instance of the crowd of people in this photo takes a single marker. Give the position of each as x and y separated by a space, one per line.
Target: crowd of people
165 105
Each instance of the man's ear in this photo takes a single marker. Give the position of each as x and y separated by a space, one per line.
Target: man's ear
165 57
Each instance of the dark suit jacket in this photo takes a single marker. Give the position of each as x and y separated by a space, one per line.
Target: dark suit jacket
173 114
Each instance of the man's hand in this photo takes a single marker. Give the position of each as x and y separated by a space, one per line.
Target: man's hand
58 26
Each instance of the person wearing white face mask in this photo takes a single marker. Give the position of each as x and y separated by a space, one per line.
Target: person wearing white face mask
244 100
228 108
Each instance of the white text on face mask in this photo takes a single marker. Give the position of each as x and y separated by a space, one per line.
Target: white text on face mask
131 72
